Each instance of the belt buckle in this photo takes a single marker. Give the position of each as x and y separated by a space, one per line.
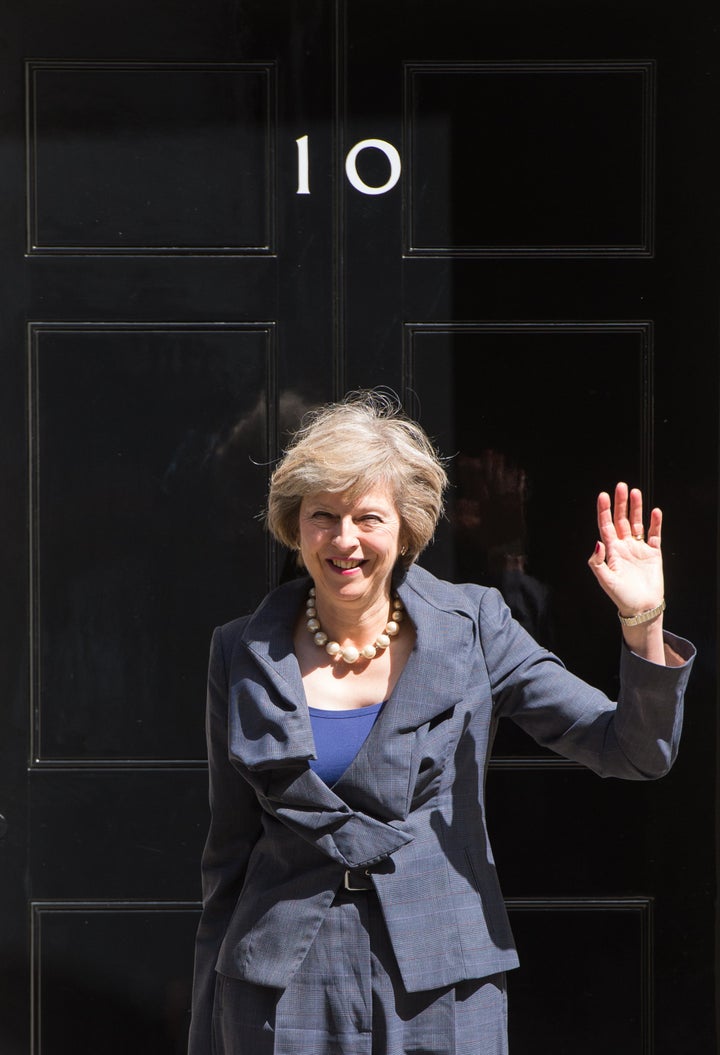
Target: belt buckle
346 882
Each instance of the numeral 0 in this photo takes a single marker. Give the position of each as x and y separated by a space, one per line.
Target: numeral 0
303 183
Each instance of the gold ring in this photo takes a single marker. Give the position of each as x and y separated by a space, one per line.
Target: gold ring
639 538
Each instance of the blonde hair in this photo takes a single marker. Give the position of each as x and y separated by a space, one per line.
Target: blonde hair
350 448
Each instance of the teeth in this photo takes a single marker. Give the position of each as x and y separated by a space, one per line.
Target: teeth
346 564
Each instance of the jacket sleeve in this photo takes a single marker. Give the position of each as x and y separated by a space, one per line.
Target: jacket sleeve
636 738
234 829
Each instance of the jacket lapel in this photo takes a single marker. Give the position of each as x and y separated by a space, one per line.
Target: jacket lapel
271 741
270 730
380 779
269 719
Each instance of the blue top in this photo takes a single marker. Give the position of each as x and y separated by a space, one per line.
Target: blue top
339 735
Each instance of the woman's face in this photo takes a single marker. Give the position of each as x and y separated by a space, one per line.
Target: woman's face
350 548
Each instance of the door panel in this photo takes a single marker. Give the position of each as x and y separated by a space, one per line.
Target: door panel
619 931
529 158
133 1000
108 143
141 514
523 437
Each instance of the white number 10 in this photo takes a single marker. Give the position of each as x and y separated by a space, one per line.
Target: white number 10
303 183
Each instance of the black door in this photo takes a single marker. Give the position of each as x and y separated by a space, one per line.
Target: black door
215 216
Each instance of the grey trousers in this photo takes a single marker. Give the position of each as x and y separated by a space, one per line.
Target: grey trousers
347 998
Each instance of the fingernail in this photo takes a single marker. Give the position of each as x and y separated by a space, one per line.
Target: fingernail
597 548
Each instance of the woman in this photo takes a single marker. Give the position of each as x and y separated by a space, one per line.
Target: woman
351 904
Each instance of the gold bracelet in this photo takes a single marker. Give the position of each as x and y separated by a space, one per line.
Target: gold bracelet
643 617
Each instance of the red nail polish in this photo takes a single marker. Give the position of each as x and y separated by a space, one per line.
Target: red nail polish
597 548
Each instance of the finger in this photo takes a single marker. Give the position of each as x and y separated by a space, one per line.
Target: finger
637 526
655 530
620 511
606 527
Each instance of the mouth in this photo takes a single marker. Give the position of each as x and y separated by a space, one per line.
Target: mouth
345 565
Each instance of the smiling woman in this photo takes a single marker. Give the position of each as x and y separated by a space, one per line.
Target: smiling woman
351 903
351 549
350 537
354 448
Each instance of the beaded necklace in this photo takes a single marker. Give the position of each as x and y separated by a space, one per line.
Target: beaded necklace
351 654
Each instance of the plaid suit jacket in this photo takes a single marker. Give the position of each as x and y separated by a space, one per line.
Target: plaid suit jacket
410 808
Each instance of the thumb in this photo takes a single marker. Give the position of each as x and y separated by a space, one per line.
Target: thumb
598 556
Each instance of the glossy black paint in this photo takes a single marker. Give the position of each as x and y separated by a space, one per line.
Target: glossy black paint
540 286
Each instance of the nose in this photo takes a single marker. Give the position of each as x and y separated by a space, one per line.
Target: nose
346 535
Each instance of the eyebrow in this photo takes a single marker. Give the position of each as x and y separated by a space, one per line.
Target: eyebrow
362 510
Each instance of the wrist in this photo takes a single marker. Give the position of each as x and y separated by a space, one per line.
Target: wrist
638 618
647 640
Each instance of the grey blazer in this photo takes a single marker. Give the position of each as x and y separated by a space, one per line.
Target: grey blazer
410 808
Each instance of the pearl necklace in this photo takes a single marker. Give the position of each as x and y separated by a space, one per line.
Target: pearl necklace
350 654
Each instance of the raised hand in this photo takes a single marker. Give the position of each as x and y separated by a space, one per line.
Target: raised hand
627 563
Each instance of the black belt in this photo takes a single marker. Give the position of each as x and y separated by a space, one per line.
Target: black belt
357 879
